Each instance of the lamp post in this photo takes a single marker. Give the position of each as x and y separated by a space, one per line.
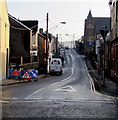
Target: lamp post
57 34
104 32
73 40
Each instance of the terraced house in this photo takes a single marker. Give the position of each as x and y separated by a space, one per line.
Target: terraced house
114 39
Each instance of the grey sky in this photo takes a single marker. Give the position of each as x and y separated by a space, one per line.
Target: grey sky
72 12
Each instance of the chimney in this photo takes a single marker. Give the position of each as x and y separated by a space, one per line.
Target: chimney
41 31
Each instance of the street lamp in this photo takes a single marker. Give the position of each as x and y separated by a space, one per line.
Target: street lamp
57 34
57 26
61 38
104 32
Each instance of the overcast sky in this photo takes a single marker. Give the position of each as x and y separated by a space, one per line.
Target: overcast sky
73 12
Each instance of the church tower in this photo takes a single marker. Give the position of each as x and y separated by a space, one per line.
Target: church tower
89 34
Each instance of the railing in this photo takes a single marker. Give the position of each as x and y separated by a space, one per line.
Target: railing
22 60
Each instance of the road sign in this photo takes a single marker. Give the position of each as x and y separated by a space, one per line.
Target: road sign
26 75
33 73
90 43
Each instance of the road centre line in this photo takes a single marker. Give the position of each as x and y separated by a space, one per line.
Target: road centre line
72 71
55 83
34 93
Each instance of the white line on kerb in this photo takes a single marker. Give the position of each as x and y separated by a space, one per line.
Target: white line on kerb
91 81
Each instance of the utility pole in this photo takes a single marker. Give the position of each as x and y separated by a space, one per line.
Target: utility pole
73 40
56 43
47 44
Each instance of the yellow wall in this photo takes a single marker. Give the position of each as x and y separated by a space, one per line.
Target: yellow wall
4 38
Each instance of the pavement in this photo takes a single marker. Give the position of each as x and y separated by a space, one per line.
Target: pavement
20 81
110 87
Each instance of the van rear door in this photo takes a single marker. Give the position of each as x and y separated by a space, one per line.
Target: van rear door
55 65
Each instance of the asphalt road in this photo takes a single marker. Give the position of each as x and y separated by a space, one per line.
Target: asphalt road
70 95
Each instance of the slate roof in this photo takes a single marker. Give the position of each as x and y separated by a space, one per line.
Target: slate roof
32 24
100 22
17 38
16 23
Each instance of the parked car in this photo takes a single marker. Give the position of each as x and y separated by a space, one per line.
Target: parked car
55 66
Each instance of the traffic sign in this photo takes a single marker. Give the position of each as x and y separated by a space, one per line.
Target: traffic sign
26 75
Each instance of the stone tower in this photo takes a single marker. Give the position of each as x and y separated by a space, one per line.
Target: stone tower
89 34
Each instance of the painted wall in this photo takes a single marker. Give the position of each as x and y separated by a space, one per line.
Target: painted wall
4 39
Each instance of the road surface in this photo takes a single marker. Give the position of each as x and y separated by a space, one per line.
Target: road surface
70 95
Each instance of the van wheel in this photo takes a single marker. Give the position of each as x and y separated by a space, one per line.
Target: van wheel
61 72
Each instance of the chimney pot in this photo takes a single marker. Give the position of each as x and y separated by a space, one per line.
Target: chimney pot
41 30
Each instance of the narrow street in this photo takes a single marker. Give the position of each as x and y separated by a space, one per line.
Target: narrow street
70 95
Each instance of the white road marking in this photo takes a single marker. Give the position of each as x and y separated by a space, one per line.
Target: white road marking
91 81
55 83
34 93
8 98
72 71
66 89
3 101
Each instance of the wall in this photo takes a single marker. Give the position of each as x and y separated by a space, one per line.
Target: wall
41 50
4 40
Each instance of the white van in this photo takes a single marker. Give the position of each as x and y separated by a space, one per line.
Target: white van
55 65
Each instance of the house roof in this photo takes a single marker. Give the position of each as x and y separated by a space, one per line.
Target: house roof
32 24
17 39
100 22
16 24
